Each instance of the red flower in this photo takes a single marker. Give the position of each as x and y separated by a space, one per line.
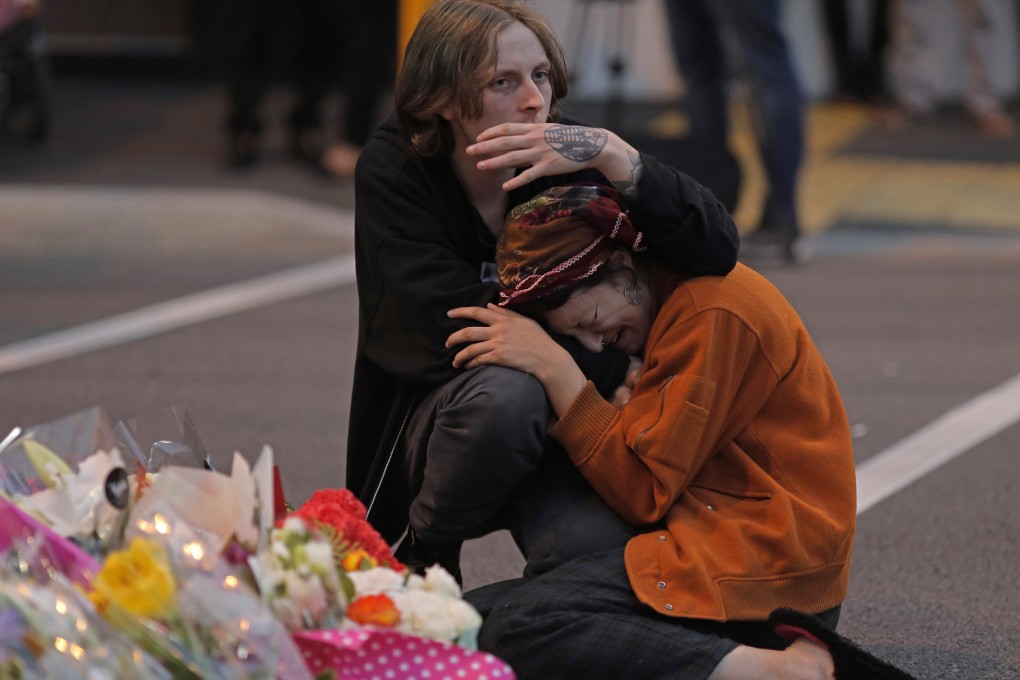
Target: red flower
341 512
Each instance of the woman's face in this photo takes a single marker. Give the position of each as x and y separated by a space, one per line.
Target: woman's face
601 316
518 91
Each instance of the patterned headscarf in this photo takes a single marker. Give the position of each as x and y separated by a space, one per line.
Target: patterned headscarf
561 236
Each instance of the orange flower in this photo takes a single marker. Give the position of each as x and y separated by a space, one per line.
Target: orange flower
374 610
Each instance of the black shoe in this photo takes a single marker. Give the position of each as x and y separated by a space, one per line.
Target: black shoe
771 246
243 149
418 555
850 661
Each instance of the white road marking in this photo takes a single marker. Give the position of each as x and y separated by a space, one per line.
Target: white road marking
178 313
878 477
937 443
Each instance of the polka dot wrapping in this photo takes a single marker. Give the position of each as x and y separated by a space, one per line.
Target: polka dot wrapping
381 654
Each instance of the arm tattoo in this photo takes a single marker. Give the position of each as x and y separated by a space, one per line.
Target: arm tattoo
576 142
628 188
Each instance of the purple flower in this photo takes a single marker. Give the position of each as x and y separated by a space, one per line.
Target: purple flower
12 627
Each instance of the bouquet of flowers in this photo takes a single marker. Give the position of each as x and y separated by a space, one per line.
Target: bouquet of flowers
381 592
48 629
74 644
204 574
183 603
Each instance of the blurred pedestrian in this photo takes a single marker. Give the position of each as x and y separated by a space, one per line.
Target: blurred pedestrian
367 65
708 36
23 71
915 62
858 36
271 41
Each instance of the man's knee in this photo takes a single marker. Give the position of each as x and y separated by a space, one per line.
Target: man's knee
500 398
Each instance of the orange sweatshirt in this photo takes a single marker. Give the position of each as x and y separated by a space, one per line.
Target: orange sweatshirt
735 442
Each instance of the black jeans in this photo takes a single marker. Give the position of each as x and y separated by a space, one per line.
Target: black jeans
479 460
582 620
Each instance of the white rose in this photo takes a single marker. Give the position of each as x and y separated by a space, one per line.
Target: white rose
376 581
295 525
465 617
280 551
320 556
424 613
439 580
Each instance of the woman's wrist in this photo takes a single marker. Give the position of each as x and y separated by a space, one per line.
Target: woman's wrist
562 379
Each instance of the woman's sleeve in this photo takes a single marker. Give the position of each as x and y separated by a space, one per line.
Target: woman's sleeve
684 224
642 457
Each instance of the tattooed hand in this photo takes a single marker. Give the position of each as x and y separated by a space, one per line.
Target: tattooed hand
547 149
576 142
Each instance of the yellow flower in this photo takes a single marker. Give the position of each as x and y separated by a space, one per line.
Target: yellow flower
358 559
138 580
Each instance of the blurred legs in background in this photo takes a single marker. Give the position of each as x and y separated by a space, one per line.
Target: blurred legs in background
271 40
707 36
915 62
367 70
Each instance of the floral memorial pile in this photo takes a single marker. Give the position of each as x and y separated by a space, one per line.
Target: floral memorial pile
126 555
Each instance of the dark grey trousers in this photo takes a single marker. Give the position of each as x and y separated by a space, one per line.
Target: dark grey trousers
582 620
479 460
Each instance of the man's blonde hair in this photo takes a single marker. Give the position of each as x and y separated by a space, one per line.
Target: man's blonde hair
451 55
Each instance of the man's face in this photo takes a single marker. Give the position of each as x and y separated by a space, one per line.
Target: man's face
518 91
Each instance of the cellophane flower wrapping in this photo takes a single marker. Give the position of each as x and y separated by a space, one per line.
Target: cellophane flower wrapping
48 629
214 623
184 568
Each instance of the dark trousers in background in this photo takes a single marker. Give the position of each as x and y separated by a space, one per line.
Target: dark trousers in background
706 37
858 47
368 64
272 41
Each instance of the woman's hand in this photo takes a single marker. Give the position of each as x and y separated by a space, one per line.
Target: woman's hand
547 149
507 339
622 394
515 341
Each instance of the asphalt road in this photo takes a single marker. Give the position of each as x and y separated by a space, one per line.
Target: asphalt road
914 322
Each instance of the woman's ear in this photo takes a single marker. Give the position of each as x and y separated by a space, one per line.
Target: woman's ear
621 258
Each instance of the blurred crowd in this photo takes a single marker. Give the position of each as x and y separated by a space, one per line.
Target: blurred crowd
884 53
313 45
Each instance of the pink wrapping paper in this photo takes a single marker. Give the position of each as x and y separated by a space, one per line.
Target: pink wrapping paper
384 654
18 527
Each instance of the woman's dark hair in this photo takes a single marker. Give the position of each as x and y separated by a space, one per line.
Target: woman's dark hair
538 308
449 57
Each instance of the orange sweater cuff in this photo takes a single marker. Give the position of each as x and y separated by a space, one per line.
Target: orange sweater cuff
584 424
